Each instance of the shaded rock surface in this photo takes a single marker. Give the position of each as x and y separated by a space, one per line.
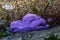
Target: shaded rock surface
34 35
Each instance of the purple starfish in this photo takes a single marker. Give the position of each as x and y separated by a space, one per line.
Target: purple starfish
29 22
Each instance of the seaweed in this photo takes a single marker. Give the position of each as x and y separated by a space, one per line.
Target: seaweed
52 37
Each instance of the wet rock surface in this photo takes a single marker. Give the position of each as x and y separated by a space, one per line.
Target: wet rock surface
33 35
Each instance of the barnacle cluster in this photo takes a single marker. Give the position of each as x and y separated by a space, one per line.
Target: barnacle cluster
18 8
